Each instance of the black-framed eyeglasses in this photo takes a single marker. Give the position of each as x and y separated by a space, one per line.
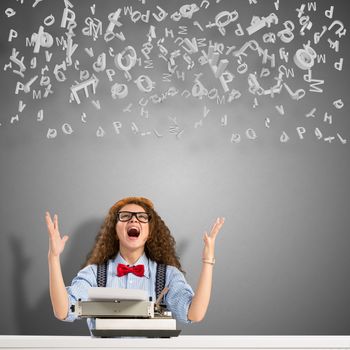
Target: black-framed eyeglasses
127 215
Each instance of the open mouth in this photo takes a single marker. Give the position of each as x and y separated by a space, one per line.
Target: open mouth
133 232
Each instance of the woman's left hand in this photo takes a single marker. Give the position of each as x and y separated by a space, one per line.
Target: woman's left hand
209 239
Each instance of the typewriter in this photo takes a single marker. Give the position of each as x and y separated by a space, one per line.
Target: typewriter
126 313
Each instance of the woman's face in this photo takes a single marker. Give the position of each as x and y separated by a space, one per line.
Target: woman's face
133 233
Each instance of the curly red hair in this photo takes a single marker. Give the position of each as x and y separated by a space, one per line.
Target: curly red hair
159 247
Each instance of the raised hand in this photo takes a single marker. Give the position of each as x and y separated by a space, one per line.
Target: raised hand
56 242
209 240
201 298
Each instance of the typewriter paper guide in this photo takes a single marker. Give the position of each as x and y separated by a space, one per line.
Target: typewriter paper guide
104 293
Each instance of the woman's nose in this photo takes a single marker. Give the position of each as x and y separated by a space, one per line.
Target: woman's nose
133 218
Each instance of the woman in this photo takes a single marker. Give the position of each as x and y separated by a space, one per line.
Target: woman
133 234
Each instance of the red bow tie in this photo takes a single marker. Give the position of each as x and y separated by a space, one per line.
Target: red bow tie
137 270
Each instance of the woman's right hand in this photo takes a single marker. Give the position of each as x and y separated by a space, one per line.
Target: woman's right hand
56 242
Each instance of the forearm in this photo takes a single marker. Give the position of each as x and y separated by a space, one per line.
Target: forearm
58 293
200 301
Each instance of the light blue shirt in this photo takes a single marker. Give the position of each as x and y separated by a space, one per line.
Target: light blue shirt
177 299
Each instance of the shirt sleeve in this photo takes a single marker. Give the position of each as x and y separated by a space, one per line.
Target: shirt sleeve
180 294
78 289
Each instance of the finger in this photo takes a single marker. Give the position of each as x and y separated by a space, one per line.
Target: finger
217 227
220 223
65 239
49 222
55 222
205 237
48 217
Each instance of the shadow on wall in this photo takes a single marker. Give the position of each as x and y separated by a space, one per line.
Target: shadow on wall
39 319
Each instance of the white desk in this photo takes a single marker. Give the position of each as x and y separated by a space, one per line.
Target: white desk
181 342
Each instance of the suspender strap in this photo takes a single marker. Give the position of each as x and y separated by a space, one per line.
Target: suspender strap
160 277
102 274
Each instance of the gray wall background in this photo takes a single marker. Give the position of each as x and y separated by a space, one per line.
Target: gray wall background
283 255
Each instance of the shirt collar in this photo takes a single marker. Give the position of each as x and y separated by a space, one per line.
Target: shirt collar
143 260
